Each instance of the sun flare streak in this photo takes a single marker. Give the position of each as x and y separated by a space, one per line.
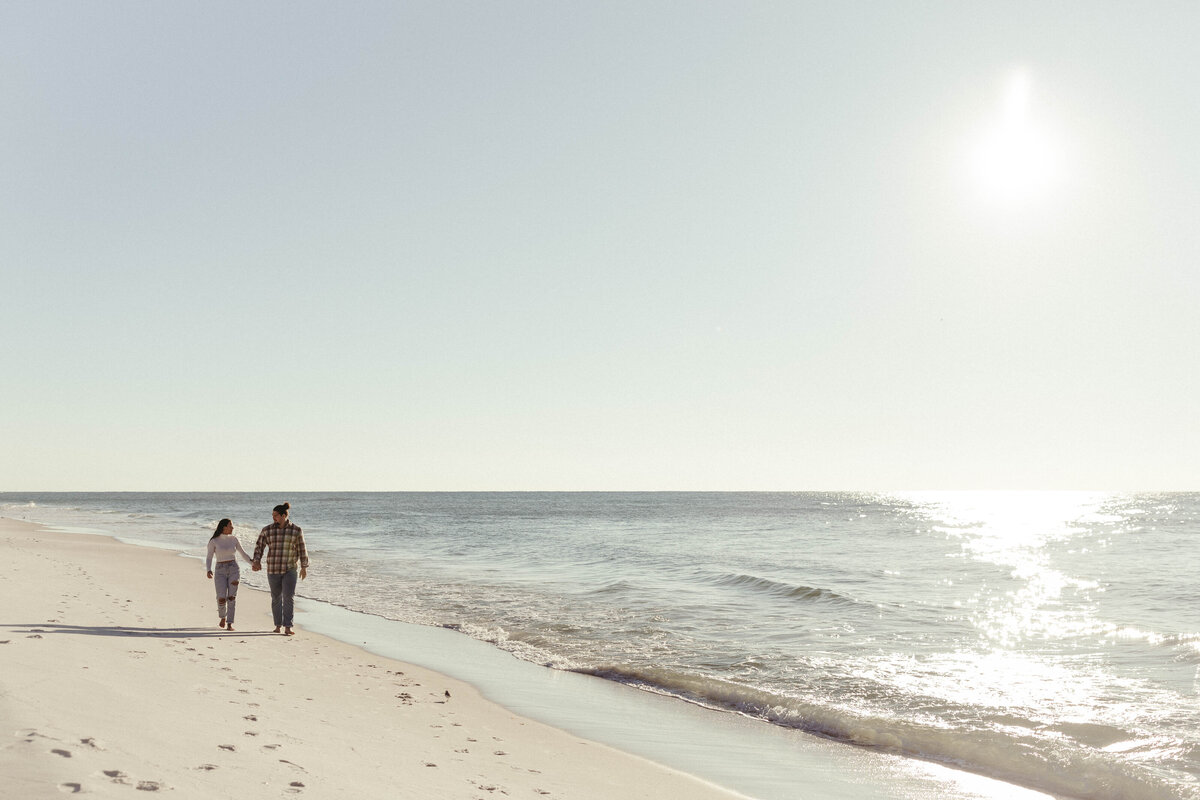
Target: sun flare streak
1016 160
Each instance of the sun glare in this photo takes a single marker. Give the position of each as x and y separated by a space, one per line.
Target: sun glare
1016 161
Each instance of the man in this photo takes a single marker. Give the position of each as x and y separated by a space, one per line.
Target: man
285 549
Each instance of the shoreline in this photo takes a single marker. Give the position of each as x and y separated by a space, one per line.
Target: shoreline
116 677
584 736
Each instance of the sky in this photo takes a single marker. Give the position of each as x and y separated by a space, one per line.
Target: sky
599 246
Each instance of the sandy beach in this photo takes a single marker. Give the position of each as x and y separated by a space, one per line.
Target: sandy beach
115 678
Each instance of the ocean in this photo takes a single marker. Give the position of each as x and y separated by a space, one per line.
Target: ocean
1047 639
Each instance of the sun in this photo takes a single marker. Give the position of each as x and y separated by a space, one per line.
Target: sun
1016 159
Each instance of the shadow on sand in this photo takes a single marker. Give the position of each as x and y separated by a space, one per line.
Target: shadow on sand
125 630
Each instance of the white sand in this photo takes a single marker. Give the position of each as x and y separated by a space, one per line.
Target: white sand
114 678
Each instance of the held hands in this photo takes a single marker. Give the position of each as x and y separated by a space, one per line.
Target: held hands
256 566
210 573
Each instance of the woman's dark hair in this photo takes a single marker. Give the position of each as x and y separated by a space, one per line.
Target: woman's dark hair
282 509
221 526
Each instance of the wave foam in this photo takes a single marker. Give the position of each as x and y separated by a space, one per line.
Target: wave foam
1023 757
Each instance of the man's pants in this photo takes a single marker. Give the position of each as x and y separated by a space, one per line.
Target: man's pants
283 589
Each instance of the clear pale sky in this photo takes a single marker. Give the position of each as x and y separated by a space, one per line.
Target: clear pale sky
643 245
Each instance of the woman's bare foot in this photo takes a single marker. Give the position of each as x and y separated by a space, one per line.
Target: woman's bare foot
229 627
222 623
289 632
277 629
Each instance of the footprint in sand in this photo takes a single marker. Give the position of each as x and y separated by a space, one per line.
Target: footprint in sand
63 753
207 767
149 786
228 747
70 788
488 788
116 775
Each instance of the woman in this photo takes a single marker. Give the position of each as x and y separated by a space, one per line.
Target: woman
225 546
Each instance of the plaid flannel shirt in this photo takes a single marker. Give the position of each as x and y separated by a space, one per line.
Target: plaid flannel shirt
285 547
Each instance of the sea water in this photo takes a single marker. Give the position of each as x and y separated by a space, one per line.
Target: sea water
1048 639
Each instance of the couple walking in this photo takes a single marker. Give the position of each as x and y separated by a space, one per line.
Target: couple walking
284 543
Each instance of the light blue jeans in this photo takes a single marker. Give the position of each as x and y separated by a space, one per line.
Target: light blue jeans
226 577
283 589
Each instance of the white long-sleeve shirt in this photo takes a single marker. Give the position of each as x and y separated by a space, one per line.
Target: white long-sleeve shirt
224 548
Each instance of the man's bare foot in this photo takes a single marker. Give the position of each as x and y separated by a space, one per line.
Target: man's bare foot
222 623
289 632
229 627
277 629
